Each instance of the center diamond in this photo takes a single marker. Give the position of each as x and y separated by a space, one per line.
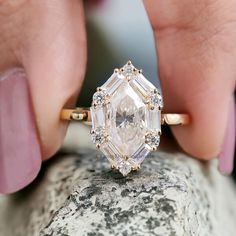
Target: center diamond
126 118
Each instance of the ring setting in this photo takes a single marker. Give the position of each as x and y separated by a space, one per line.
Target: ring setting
126 113
126 116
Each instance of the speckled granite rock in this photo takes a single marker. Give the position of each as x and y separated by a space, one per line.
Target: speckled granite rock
78 194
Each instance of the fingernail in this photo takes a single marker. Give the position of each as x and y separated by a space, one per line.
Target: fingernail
20 156
226 157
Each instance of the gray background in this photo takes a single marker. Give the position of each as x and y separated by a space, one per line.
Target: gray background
118 31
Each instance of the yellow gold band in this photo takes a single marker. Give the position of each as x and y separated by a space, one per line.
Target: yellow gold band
83 114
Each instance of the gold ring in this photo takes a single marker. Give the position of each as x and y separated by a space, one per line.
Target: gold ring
126 117
83 114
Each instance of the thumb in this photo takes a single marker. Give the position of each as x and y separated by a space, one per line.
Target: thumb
54 57
196 50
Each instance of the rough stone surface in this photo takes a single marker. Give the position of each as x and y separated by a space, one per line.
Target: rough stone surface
78 194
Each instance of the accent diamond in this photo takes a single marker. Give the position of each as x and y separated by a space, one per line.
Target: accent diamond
124 126
124 168
155 101
152 139
99 136
128 70
99 98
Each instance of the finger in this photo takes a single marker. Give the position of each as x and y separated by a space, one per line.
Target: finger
54 57
196 51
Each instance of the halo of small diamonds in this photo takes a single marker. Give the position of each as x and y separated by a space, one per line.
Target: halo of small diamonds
126 115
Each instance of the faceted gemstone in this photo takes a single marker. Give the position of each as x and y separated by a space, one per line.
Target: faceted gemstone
156 100
112 154
128 70
99 98
127 119
99 136
138 157
124 168
125 128
153 120
113 83
99 116
142 85
152 139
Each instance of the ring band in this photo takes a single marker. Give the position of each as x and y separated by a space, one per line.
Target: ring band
83 114
126 118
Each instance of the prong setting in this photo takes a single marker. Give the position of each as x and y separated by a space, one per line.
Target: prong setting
152 139
100 98
129 71
99 136
126 111
116 71
154 100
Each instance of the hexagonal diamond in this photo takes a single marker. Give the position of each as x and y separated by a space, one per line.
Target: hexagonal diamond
127 119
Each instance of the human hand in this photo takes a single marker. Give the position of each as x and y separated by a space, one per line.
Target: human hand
47 39
196 47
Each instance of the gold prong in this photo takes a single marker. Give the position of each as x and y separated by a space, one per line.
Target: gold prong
140 71
113 167
128 78
152 107
155 91
98 145
126 158
159 132
99 89
136 167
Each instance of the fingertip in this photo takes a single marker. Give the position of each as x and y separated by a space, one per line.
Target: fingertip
55 65
194 144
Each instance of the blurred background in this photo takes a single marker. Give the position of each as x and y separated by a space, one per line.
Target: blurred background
118 31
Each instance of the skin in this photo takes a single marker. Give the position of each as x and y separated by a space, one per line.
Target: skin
39 35
196 47
196 50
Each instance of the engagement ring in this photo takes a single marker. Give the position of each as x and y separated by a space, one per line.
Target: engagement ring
126 118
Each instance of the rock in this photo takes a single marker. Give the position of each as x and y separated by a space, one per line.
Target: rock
78 194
